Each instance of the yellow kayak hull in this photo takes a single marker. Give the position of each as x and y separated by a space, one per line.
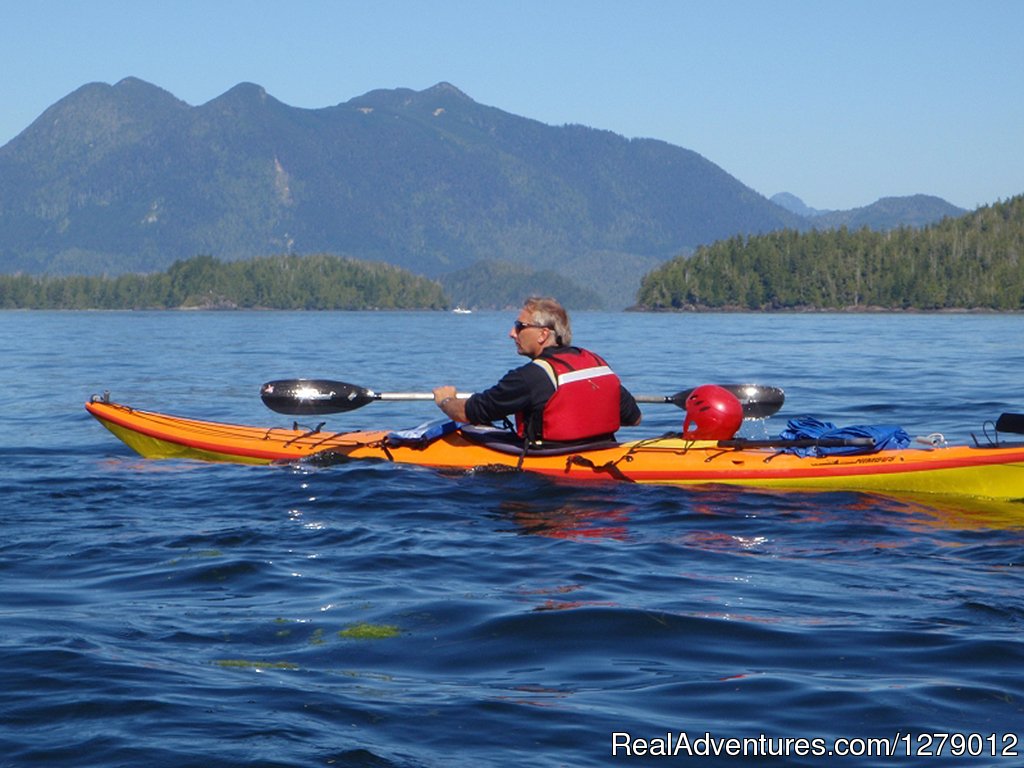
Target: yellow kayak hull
989 472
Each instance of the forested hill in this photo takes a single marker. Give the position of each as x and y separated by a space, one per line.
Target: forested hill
972 262
281 282
128 178
883 215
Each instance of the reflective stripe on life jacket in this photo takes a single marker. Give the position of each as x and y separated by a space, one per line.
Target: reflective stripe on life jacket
585 403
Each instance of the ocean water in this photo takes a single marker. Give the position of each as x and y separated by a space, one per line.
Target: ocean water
174 613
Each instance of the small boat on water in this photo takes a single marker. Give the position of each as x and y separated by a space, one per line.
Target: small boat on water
990 470
462 311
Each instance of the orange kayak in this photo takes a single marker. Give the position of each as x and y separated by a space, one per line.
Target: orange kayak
991 472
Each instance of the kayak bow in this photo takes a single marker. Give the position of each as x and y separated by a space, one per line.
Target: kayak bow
991 472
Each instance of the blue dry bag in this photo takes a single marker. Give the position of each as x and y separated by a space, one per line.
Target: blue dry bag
427 432
885 436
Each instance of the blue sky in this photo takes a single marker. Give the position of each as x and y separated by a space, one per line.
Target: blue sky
838 102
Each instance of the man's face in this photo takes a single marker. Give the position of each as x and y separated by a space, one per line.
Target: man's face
530 338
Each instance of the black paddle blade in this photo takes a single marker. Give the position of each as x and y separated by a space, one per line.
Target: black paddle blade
759 401
314 397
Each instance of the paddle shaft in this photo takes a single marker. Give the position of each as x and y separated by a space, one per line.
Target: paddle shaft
414 395
315 397
659 399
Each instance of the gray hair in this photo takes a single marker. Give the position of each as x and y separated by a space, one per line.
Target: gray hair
548 312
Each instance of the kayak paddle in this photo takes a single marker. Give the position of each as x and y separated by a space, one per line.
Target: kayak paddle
759 401
316 397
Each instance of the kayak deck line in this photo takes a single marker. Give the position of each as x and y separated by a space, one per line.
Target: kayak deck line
995 471
158 435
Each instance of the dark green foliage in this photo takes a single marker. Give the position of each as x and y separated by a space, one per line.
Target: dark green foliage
279 282
973 262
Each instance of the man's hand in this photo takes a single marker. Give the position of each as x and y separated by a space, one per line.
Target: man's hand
451 406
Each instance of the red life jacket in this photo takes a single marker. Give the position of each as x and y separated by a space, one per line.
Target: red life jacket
586 399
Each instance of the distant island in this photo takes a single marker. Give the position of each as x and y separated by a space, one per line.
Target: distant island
282 282
320 281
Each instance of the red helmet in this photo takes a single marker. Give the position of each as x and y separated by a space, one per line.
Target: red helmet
712 413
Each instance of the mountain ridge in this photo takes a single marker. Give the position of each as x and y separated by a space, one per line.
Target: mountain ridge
885 213
127 177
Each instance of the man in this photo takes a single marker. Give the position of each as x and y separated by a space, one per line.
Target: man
563 394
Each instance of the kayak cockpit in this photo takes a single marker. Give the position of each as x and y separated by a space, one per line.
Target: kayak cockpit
505 441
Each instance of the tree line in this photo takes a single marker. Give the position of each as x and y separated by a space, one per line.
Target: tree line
972 262
203 282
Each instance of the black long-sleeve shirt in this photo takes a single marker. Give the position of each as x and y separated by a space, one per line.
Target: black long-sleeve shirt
526 390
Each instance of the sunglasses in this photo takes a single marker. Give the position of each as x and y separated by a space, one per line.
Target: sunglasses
519 325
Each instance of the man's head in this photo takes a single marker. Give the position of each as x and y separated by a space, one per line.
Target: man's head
541 323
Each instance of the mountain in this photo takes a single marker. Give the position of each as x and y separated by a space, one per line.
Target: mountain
891 213
795 205
881 216
129 178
